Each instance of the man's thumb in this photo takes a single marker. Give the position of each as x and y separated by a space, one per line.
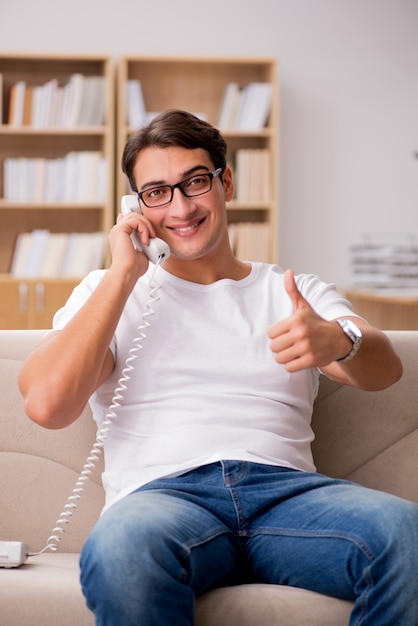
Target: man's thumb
293 292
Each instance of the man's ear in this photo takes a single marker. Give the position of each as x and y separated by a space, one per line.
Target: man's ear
228 183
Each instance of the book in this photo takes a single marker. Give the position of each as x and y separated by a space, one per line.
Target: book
20 254
16 103
97 110
252 175
67 261
250 241
63 114
74 100
8 178
43 101
242 175
79 177
42 254
27 107
85 252
255 106
29 253
15 171
84 170
48 97
36 106
92 111
57 108
53 182
229 106
53 255
136 111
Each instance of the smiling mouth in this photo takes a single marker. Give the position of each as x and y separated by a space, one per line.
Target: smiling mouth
186 229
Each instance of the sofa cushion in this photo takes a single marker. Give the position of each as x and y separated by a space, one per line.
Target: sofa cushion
69 446
37 501
371 437
46 591
270 605
39 469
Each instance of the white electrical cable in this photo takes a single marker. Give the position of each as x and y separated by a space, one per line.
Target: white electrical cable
101 436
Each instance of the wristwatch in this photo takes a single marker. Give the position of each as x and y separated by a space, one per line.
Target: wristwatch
355 336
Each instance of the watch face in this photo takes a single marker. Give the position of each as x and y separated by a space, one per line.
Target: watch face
354 333
354 329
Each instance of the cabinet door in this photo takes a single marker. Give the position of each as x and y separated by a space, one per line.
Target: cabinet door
31 303
46 297
14 304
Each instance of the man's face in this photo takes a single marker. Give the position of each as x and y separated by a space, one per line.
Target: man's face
192 227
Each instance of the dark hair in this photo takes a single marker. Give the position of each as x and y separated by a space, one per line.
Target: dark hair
174 128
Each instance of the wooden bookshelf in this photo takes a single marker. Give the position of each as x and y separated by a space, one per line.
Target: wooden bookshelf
190 83
198 85
51 139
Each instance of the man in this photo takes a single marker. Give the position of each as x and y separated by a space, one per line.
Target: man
209 475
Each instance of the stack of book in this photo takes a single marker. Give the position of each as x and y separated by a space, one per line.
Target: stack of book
250 241
384 265
135 105
79 177
42 254
252 175
80 102
245 108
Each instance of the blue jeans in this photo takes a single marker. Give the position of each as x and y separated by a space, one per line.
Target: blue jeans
233 522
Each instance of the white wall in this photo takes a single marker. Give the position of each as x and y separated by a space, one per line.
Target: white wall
349 98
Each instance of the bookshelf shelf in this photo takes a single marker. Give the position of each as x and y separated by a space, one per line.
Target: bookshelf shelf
6 129
236 205
50 206
264 133
198 85
72 114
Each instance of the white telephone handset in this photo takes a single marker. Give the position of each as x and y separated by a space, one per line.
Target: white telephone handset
157 248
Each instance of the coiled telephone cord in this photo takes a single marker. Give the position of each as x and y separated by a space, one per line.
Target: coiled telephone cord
101 436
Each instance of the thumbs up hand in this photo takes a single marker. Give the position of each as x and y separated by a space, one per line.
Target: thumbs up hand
305 339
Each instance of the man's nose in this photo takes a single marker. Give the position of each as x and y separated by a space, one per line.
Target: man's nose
181 202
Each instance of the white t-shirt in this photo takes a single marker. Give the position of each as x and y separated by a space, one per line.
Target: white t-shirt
205 385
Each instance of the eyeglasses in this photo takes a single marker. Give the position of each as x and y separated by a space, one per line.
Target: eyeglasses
190 187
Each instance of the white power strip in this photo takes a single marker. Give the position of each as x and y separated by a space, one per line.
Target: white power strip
13 553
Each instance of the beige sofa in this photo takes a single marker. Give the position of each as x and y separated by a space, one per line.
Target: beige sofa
371 438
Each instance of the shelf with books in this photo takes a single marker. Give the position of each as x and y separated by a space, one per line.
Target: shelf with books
77 177
53 91
20 218
41 254
56 148
147 85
